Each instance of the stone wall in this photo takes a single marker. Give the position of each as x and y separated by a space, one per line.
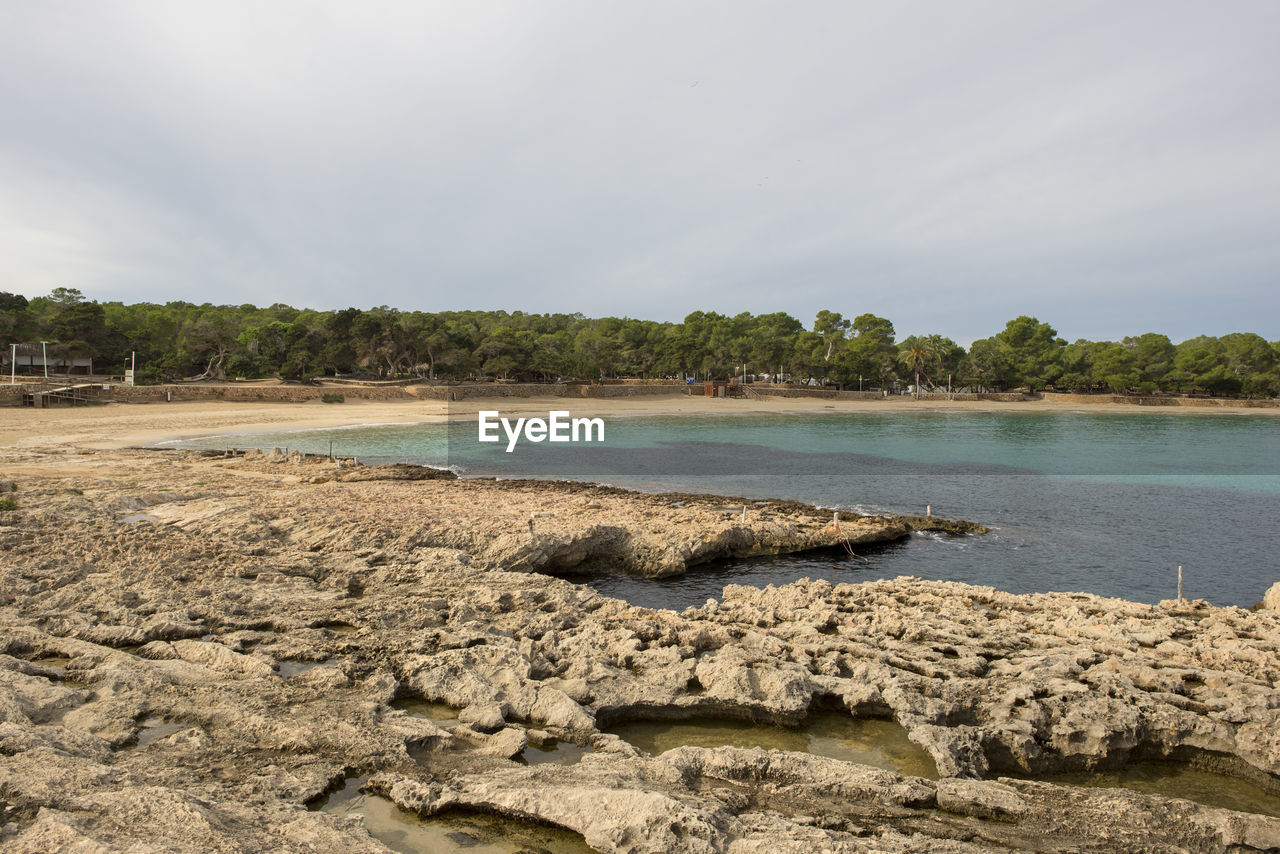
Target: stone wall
832 394
249 393
482 391
1002 397
11 395
1153 400
785 391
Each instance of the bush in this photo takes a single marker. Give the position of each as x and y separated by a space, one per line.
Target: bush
242 365
7 504
331 397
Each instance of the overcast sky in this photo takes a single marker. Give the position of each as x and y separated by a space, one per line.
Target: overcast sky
1111 167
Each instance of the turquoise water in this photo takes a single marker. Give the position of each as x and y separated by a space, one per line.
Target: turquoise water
1108 504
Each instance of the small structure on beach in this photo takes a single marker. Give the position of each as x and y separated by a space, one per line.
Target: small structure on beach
81 394
42 359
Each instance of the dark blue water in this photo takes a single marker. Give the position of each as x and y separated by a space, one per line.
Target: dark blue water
1108 504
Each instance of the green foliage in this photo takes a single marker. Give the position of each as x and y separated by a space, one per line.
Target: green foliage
933 359
180 340
870 352
7 504
332 397
1032 352
832 328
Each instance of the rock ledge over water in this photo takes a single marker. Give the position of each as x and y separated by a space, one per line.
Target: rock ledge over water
193 679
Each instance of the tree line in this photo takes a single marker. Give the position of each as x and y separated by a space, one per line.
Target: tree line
180 340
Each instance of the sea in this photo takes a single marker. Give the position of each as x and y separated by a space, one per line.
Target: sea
1075 501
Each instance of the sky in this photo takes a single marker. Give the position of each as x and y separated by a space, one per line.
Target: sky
1112 168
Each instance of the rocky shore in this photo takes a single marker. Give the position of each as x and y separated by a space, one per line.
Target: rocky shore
194 649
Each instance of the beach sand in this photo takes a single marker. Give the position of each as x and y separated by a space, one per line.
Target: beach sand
120 425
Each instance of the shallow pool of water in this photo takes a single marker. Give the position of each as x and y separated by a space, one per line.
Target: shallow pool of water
880 743
154 729
1177 780
560 752
406 832
419 708
293 668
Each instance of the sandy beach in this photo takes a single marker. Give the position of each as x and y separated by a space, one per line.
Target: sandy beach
120 425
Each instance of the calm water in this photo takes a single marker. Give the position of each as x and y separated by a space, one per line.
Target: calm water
447 833
879 743
1176 780
1108 504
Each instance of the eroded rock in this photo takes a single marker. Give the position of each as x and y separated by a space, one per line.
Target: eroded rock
388 590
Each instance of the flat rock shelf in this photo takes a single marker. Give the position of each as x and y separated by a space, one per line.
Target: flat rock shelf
201 681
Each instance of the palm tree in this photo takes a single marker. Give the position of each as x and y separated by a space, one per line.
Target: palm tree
915 358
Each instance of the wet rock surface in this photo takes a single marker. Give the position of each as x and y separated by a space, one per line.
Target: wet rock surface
194 682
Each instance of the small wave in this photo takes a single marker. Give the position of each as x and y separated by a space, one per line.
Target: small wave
859 509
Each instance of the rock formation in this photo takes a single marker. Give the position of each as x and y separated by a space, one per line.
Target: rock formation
193 679
1271 600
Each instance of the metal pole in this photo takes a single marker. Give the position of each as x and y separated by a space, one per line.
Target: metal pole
44 348
13 366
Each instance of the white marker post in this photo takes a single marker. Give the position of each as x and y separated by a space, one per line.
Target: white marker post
1179 583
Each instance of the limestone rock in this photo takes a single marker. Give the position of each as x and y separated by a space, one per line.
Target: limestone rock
215 656
483 718
121 730
980 798
1271 601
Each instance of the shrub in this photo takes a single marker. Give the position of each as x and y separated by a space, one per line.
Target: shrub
7 504
332 397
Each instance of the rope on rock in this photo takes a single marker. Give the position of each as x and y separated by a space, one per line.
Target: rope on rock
835 531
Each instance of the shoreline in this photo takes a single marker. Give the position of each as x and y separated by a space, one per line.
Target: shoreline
120 425
208 612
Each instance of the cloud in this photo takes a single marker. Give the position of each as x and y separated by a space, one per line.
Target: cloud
1111 169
